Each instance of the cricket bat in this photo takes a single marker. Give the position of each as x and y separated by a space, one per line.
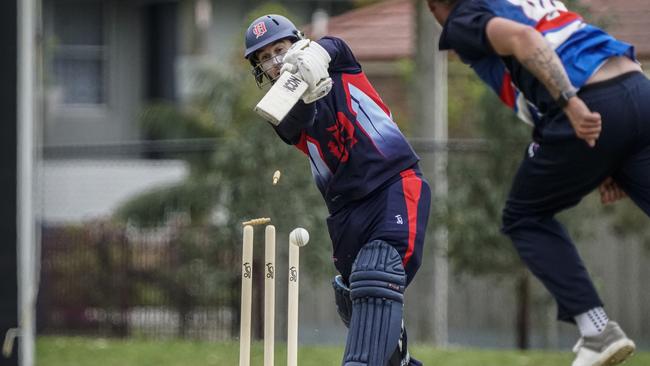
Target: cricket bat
282 96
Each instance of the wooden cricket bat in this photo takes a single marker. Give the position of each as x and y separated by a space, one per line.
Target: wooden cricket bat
282 96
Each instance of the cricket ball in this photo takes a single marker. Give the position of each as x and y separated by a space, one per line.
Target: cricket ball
299 237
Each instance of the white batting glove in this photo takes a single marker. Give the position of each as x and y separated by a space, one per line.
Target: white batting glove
290 68
296 49
319 91
308 59
313 64
313 93
290 59
316 50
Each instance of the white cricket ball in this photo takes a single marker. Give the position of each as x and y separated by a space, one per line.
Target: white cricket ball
299 237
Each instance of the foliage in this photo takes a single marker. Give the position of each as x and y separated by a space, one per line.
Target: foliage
194 197
164 120
481 181
628 221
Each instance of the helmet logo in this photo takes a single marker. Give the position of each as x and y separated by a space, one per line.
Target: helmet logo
259 29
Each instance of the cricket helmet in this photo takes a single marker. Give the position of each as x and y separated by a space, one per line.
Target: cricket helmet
264 31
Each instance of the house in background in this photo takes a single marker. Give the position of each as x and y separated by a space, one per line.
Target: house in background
101 62
104 59
627 20
381 36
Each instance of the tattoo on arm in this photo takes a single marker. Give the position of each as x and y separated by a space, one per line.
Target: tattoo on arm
547 67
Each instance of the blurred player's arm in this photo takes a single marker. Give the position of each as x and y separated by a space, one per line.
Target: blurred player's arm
301 116
509 38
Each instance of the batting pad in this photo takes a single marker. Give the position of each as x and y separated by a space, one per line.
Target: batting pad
377 286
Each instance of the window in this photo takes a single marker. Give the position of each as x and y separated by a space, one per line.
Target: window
79 56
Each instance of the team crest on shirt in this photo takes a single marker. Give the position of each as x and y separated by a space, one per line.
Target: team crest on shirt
342 138
259 29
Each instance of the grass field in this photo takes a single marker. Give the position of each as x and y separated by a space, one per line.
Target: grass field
66 351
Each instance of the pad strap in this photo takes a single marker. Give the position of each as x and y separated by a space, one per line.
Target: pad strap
342 299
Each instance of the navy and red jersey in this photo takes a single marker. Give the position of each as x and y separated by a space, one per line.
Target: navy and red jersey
352 142
582 48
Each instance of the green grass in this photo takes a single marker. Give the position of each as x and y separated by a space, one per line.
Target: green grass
70 351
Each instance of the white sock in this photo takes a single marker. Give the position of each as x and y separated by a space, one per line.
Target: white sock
593 322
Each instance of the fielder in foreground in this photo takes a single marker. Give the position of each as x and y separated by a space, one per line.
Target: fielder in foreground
368 175
587 98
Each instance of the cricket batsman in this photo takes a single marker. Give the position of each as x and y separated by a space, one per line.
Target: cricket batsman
368 175
587 99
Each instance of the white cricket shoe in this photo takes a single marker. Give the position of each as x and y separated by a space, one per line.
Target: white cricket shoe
609 348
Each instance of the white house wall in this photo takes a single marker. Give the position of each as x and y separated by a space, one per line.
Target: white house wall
80 190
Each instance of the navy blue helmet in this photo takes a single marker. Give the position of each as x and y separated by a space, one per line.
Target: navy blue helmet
264 31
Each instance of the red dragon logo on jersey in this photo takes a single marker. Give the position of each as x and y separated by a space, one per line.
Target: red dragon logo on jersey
259 29
343 135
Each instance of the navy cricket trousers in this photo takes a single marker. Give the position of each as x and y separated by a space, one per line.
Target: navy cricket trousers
558 170
396 213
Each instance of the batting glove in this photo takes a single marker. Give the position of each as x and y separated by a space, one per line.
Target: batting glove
319 91
308 59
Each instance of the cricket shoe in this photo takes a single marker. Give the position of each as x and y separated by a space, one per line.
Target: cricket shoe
609 348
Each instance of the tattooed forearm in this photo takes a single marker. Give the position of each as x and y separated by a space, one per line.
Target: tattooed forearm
547 67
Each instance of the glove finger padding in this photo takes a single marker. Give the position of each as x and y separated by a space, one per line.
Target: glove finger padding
319 91
311 69
317 51
296 49
311 59
288 67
